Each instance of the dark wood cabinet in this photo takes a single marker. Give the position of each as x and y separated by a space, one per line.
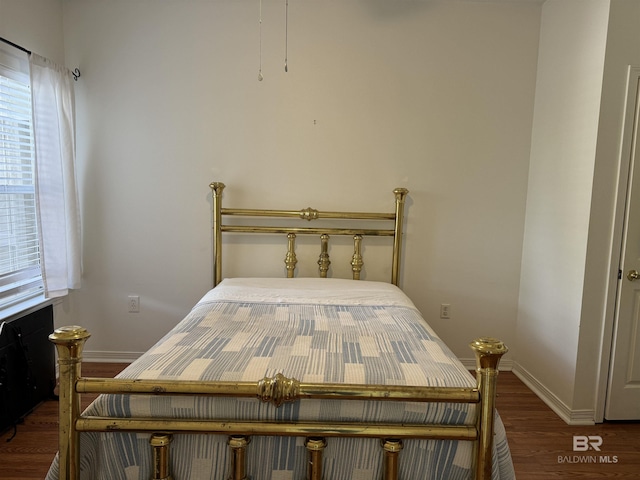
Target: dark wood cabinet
27 365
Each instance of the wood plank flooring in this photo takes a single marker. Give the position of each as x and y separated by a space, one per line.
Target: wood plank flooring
541 443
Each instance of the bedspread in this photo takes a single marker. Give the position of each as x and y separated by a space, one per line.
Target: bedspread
332 331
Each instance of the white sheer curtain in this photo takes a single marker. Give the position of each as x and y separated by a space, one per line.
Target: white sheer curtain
56 191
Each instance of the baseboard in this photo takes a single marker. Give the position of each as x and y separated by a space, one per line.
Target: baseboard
569 416
109 357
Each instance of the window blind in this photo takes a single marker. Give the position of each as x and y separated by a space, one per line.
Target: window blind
20 275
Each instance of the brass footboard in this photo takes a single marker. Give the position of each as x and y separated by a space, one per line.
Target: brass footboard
277 390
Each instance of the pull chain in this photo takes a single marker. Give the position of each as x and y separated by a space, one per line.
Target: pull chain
286 34
286 39
260 77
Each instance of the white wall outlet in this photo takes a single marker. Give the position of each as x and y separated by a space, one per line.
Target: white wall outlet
134 303
445 310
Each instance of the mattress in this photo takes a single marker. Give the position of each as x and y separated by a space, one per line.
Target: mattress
314 330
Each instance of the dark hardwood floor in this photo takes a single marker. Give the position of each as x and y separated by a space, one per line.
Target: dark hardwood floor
27 452
541 443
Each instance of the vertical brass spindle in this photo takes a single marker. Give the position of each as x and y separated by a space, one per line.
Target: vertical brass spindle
392 448
160 444
238 446
69 343
356 261
323 261
291 260
315 447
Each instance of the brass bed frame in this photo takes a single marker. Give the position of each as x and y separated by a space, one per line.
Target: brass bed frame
70 341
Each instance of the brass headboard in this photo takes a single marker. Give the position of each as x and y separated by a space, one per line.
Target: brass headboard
395 218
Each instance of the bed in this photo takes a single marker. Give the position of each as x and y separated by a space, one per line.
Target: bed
289 378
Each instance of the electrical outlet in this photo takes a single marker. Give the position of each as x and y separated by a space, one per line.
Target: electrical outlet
445 310
134 303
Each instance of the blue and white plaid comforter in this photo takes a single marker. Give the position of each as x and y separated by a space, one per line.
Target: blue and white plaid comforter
244 330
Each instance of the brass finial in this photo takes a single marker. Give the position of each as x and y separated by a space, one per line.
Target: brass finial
217 188
489 351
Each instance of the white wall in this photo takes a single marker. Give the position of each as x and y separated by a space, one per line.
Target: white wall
434 96
563 152
35 25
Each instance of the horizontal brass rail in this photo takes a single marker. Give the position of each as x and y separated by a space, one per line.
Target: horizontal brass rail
308 230
361 430
245 212
305 390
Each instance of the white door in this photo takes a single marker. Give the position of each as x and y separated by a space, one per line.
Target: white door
623 392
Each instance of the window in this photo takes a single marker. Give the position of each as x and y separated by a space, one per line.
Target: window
20 274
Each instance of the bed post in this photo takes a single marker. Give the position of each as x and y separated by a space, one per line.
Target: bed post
488 352
400 194
216 195
69 342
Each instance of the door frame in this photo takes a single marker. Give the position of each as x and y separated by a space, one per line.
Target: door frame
631 115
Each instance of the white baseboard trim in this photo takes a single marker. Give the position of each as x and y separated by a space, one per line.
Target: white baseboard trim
570 417
109 357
